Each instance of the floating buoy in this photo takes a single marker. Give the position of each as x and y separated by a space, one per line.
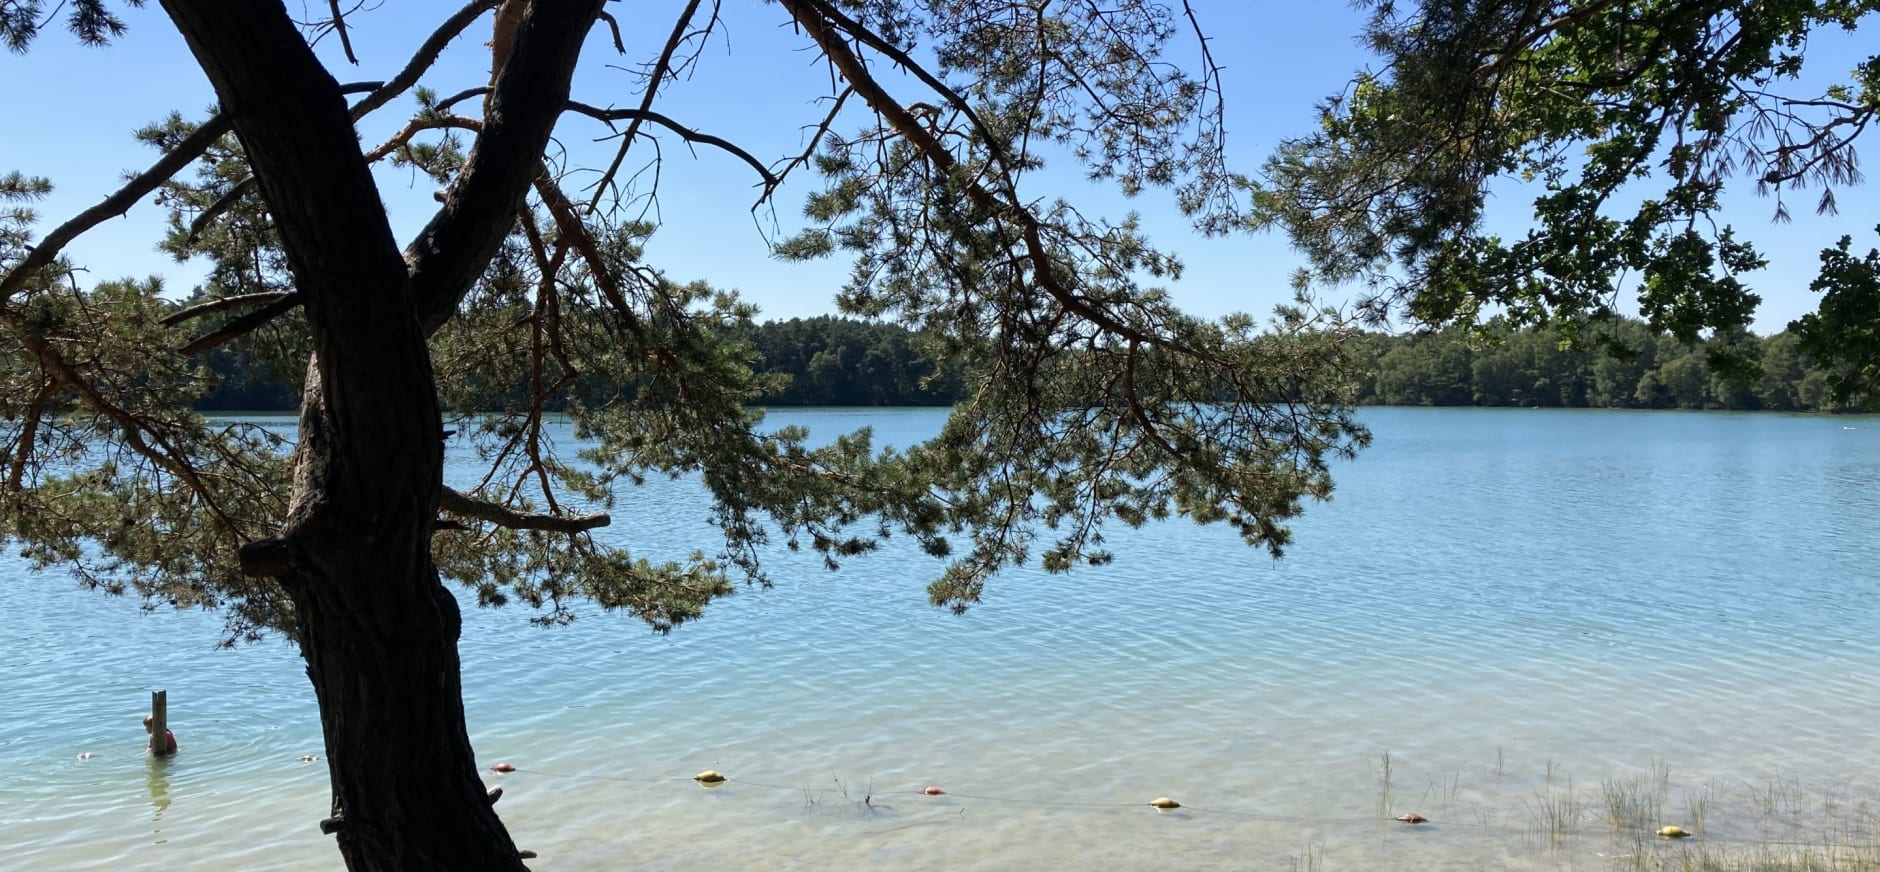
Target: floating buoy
1674 832
1163 803
308 758
933 791
86 756
502 767
1411 817
709 779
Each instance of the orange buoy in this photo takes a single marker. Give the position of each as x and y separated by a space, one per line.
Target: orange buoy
1163 803
502 767
933 791
709 779
1411 817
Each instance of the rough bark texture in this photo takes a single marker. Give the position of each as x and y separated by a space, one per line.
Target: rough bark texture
377 628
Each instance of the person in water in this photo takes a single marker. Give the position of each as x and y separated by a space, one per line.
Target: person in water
169 740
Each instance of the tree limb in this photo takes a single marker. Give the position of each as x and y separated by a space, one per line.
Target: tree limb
213 306
661 67
451 252
502 516
284 302
821 22
118 203
381 93
686 133
345 40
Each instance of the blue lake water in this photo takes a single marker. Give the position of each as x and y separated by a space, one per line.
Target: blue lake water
1520 608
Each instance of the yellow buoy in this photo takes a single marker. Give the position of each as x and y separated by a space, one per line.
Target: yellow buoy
1163 803
710 778
1674 832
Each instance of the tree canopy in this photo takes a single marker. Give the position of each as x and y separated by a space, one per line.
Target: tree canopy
1624 121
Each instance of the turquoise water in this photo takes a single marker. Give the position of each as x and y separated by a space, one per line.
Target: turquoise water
1515 606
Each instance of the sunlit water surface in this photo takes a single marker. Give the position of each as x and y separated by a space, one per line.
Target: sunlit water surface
1518 607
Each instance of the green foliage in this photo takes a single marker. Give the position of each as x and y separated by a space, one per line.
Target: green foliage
1081 395
1845 330
1622 120
1631 367
89 20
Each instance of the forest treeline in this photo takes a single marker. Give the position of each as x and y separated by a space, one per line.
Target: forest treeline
833 361
1641 370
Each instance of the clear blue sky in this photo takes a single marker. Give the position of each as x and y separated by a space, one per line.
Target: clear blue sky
70 112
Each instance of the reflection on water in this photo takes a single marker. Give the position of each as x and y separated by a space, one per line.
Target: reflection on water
1561 627
158 783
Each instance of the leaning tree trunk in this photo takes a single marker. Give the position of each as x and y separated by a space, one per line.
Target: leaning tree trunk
379 632
377 628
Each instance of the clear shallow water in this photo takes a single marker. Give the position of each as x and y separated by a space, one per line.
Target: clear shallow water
1493 596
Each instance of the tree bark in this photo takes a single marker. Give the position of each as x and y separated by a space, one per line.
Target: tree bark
376 626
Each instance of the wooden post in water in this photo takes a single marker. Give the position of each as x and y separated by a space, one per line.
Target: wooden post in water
159 723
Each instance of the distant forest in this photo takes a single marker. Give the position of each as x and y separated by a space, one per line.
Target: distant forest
842 362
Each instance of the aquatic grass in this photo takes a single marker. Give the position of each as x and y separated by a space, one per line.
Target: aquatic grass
1697 810
1630 804
1637 802
1772 857
1384 792
1778 796
1312 859
1442 791
1556 811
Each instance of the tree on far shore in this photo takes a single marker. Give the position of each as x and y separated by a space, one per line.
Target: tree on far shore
1623 122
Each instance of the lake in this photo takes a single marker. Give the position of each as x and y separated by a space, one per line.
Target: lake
1550 632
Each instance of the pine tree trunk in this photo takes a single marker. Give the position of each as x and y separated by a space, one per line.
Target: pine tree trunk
406 795
377 628
379 633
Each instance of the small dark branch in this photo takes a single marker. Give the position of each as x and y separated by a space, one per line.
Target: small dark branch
495 794
267 558
686 133
339 24
1136 411
118 203
614 27
418 125
576 232
816 138
242 326
465 94
868 37
661 68
29 433
502 516
222 204
332 825
213 306
425 56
